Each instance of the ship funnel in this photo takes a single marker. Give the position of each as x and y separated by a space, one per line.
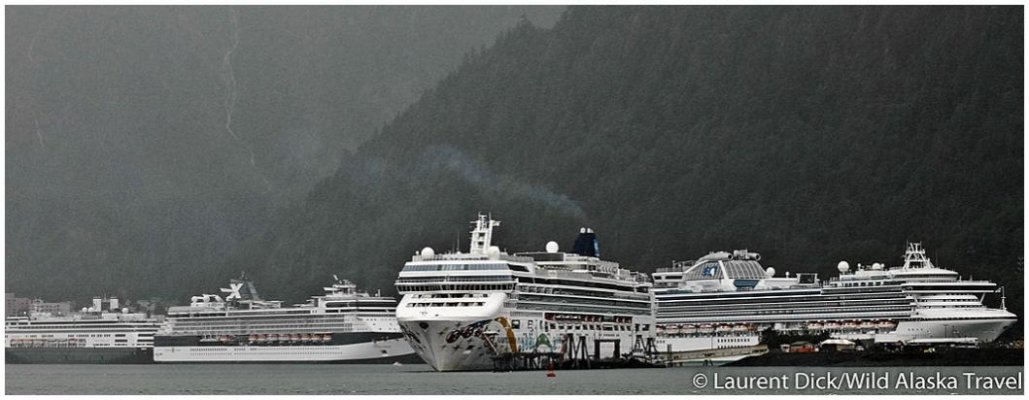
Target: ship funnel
98 305
586 243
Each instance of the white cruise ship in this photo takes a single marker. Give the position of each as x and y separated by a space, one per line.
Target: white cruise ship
947 307
93 336
342 326
460 310
724 300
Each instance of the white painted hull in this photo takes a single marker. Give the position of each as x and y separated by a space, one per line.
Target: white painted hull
370 352
984 330
429 341
450 343
705 342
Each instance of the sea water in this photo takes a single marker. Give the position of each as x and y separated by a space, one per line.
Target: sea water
341 379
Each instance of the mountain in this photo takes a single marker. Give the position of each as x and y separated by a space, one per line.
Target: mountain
809 134
143 143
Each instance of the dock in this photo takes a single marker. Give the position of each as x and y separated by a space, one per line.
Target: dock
642 355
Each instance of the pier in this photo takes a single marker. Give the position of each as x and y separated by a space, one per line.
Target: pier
642 355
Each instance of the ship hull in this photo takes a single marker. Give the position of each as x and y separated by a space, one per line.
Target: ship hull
44 355
473 345
394 349
985 330
434 342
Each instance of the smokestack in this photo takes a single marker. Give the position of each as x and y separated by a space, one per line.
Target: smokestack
98 305
114 304
586 243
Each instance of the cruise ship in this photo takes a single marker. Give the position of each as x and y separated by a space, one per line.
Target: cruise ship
341 326
724 300
462 311
93 336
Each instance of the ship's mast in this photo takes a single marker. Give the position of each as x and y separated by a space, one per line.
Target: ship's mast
915 257
482 234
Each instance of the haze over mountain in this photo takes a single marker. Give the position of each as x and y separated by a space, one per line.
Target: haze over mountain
144 143
808 134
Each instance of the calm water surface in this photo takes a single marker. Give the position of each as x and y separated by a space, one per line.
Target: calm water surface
419 379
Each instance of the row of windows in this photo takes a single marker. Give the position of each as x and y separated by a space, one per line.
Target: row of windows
81 328
454 278
714 315
577 300
345 325
765 297
548 325
774 306
587 327
475 287
779 311
580 292
369 304
627 287
448 295
454 267
448 304
577 309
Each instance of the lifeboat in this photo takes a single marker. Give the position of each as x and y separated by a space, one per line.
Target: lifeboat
887 325
689 329
706 328
273 337
867 325
660 329
832 325
327 337
672 330
850 325
252 339
740 328
723 328
814 326
295 337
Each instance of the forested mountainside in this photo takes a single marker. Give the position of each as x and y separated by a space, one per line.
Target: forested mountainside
808 134
145 142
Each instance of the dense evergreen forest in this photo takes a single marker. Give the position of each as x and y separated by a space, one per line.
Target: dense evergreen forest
808 134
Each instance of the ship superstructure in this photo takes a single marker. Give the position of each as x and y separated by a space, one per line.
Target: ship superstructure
460 310
343 325
94 335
